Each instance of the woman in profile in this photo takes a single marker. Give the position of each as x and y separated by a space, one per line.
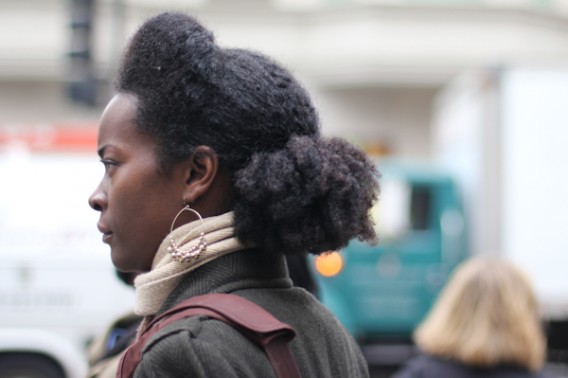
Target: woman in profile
215 171
484 324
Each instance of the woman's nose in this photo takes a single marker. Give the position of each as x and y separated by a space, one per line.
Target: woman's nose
97 200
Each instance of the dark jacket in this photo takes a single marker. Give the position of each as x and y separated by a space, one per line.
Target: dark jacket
202 347
423 366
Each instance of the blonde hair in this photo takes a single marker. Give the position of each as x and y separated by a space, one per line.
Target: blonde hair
485 316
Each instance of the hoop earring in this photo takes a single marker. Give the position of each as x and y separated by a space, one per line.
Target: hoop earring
184 255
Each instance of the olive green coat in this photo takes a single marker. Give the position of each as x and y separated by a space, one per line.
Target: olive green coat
202 347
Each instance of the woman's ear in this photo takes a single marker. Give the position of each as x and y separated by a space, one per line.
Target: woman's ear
202 169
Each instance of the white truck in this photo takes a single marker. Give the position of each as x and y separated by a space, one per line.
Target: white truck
503 132
58 288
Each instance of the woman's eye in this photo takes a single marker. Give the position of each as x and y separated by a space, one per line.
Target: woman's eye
107 164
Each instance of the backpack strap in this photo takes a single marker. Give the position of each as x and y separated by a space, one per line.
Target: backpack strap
247 317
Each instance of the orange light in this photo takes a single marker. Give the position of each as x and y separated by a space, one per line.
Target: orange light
329 264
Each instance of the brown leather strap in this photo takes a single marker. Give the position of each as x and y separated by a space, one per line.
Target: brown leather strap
247 317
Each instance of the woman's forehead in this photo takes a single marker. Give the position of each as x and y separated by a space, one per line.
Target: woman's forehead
117 126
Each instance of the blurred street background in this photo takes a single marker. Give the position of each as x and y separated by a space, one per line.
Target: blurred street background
462 103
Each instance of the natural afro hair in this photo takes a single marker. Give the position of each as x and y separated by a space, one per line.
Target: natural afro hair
192 92
315 194
294 190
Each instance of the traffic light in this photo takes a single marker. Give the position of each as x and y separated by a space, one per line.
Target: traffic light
82 83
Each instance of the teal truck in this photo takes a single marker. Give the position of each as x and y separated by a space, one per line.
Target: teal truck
381 292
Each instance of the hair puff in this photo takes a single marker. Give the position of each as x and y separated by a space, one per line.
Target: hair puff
315 194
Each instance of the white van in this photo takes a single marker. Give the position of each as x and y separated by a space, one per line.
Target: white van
58 288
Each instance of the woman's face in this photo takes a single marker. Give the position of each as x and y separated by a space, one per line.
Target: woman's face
137 201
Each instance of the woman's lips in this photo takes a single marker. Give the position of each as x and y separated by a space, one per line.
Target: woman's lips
107 236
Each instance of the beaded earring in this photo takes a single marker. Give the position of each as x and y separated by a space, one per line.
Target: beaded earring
184 255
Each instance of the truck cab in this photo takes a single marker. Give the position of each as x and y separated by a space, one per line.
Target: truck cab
381 292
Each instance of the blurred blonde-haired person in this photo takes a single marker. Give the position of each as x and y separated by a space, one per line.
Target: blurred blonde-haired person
484 324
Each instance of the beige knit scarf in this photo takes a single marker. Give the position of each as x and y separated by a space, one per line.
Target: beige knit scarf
154 287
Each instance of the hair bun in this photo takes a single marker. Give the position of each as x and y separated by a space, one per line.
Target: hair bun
314 194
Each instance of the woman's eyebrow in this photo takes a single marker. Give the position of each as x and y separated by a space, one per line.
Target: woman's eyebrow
101 150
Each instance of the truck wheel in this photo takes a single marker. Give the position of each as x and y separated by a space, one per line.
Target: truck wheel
20 365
